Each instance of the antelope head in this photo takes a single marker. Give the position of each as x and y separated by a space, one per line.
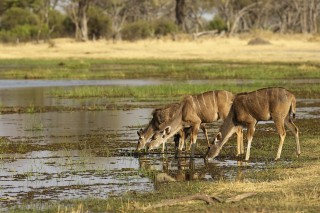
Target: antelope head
215 148
141 141
159 138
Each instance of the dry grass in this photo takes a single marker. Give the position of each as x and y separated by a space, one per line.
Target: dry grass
284 48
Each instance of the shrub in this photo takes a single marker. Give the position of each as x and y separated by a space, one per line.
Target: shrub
99 25
21 33
164 27
18 16
217 24
69 28
137 30
6 37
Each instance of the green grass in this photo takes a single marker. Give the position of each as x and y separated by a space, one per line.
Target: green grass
175 91
165 69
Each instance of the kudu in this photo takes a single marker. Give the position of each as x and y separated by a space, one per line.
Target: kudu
159 117
265 104
194 111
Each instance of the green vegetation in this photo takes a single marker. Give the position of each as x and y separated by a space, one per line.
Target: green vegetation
175 91
217 23
301 78
153 68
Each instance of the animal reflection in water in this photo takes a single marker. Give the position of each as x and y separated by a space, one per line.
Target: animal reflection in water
188 169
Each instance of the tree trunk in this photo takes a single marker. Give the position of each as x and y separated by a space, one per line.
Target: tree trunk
313 14
304 16
82 21
180 13
238 16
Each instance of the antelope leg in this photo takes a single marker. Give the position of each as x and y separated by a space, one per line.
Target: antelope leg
282 134
251 129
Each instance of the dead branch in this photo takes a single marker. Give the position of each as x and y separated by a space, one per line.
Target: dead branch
212 32
239 197
202 197
171 202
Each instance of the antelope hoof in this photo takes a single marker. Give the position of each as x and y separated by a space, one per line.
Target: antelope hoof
277 159
298 155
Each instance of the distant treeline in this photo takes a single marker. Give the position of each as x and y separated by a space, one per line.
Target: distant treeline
34 20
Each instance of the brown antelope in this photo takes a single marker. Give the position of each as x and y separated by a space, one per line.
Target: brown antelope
159 117
275 104
193 111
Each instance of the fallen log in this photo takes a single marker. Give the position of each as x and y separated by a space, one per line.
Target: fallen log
239 197
212 32
202 197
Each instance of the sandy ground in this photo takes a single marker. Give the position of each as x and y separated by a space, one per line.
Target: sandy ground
299 49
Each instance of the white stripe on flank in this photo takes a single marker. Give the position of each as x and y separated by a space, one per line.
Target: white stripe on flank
204 101
211 102
194 105
227 96
198 104
258 99
214 96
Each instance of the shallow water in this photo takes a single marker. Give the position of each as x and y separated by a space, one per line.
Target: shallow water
10 84
75 123
69 174
86 169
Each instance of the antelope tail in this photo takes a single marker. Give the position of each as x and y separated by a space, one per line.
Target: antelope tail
292 109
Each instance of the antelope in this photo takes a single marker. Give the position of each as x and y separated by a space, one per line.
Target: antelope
194 111
160 116
248 109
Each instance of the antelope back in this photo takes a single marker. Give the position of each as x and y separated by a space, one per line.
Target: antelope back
209 106
164 114
263 104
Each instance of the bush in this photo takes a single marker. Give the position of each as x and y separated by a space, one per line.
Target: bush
18 16
6 37
21 33
99 25
164 27
69 28
137 30
217 24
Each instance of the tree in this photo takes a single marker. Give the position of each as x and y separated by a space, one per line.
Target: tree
77 10
180 13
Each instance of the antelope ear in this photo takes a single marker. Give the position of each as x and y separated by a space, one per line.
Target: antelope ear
217 138
139 132
167 130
